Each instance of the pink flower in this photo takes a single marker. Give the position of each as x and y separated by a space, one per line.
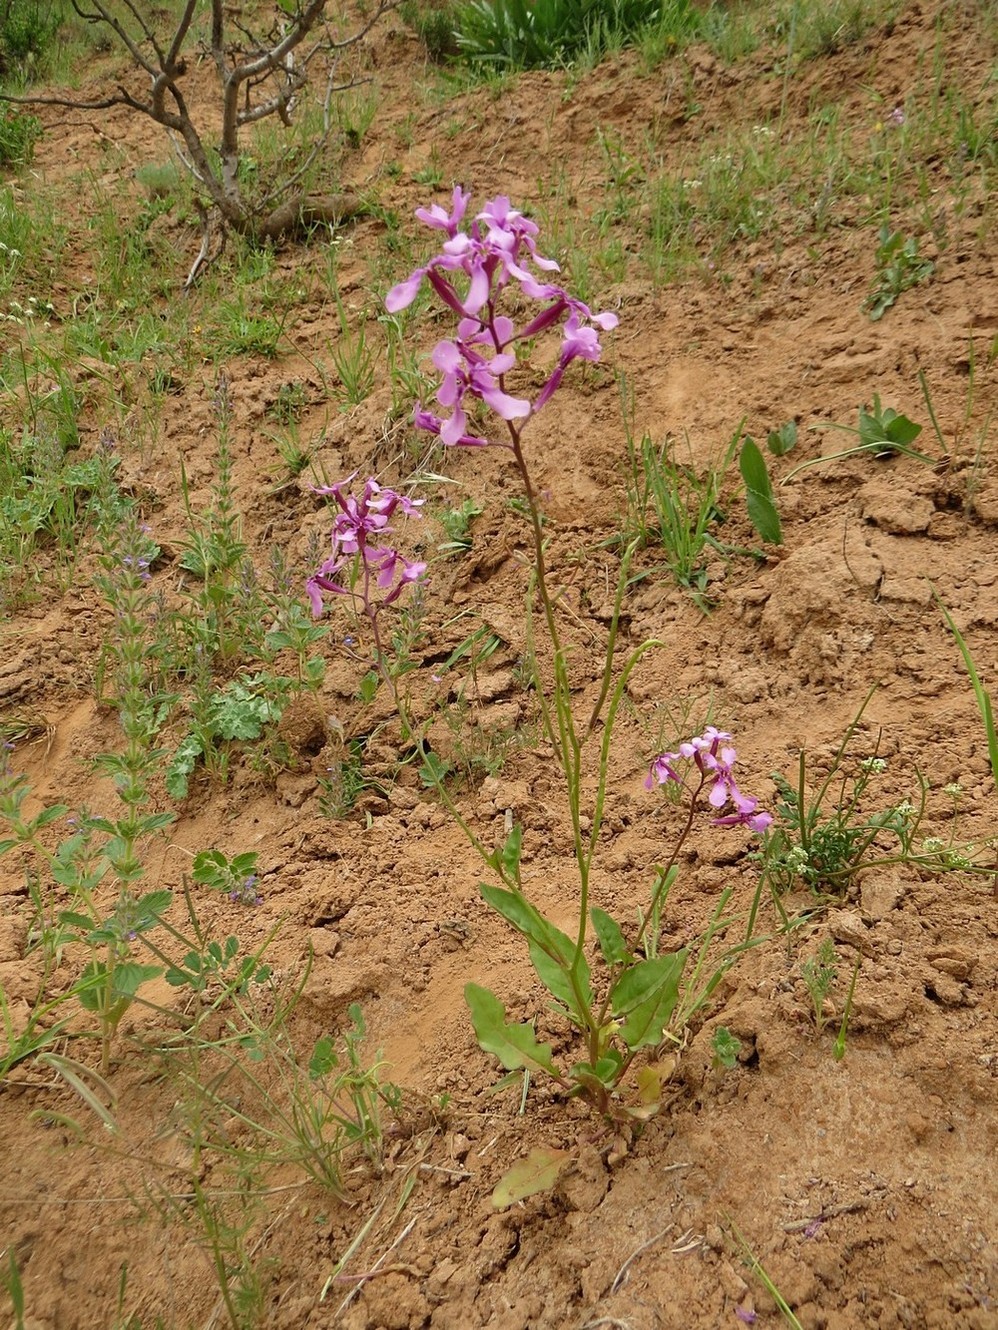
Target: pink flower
714 758
465 371
435 216
357 532
469 274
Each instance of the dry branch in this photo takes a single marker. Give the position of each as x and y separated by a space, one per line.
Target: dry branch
259 75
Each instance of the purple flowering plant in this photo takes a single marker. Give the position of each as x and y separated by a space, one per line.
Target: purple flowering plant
363 566
487 269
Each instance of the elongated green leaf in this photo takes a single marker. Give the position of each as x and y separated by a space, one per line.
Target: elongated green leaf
646 995
611 939
6 845
515 1046
507 860
529 921
511 852
551 951
983 697
538 1172
783 440
759 493
556 978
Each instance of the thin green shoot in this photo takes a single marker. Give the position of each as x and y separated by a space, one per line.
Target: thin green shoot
981 694
759 1271
839 1051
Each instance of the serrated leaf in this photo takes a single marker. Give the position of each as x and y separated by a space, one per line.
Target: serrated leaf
759 493
155 822
152 905
67 919
538 1172
610 937
515 1046
48 815
646 995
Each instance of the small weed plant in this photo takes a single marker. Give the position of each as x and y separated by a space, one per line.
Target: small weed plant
898 269
825 833
548 34
882 433
819 973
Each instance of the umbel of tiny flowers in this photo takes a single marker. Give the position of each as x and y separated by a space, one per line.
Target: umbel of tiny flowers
498 248
713 758
358 541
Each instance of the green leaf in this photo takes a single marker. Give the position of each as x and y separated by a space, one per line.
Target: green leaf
90 985
528 920
179 770
67 919
552 952
555 975
433 770
6 845
315 670
207 861
781 441
368 688
48 815
611 939
759 493
646 995
515 1046
981 694
604 1075
129 976
510 856
323 1059
152 905
883 427
155 822
538 1172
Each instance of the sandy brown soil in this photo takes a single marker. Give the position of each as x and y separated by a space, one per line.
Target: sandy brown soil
865 1187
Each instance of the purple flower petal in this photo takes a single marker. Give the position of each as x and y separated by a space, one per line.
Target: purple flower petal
401 296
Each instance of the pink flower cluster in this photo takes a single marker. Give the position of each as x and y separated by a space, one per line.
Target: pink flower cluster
359 530
498 248
714 758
